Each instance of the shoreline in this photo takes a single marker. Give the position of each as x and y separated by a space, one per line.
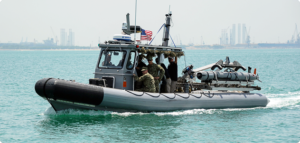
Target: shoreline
49 49
236 48
186 48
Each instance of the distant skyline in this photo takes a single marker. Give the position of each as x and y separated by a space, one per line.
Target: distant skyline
269 21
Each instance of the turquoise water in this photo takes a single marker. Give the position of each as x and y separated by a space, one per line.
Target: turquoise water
26 117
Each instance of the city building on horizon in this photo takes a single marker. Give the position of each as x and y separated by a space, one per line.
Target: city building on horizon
71 38
244 34
63 37
67 39
235 37
232 35
224 37
239 33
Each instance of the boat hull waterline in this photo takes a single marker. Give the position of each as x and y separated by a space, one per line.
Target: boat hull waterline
63 94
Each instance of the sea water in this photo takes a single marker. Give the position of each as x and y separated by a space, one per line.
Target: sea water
26 117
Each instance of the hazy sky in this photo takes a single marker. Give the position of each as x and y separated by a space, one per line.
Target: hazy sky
270 20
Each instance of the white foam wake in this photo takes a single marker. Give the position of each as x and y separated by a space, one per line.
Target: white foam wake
289 100
50 111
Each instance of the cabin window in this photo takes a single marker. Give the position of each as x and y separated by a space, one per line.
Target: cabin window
130 61
112 59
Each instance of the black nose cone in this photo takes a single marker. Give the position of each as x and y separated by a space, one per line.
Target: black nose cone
40 86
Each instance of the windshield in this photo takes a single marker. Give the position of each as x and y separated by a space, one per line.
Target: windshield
112 59
130 60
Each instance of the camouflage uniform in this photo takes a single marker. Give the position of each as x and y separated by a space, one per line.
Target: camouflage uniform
148 82
153 69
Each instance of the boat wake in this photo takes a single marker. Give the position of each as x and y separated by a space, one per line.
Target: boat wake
290 100
50 111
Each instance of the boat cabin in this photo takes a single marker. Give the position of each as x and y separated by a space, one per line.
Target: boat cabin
118 60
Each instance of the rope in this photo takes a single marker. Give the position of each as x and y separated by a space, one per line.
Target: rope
156 34
182 96
152 95
201 93
196 96
208 95
134 93
168 96
172 40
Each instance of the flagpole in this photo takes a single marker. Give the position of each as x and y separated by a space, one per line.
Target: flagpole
134 40
135 23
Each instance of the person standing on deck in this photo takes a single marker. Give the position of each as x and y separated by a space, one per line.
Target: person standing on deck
164 88
172 69
156 71
140 65
147 80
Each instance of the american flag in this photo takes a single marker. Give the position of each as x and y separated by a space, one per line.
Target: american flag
146 35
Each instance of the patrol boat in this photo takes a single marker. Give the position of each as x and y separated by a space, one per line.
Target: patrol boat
218 85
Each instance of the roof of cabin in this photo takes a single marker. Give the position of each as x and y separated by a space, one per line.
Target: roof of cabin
134 46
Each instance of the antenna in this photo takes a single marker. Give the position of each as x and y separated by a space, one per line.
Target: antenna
135 22
167 29
128 22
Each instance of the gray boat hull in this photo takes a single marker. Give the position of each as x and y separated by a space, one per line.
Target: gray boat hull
180 101
123 100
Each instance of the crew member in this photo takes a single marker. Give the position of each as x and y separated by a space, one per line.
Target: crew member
147 79
172 69
107 62
140 65
156 71
164 88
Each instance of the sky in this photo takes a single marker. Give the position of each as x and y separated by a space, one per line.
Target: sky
270 21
